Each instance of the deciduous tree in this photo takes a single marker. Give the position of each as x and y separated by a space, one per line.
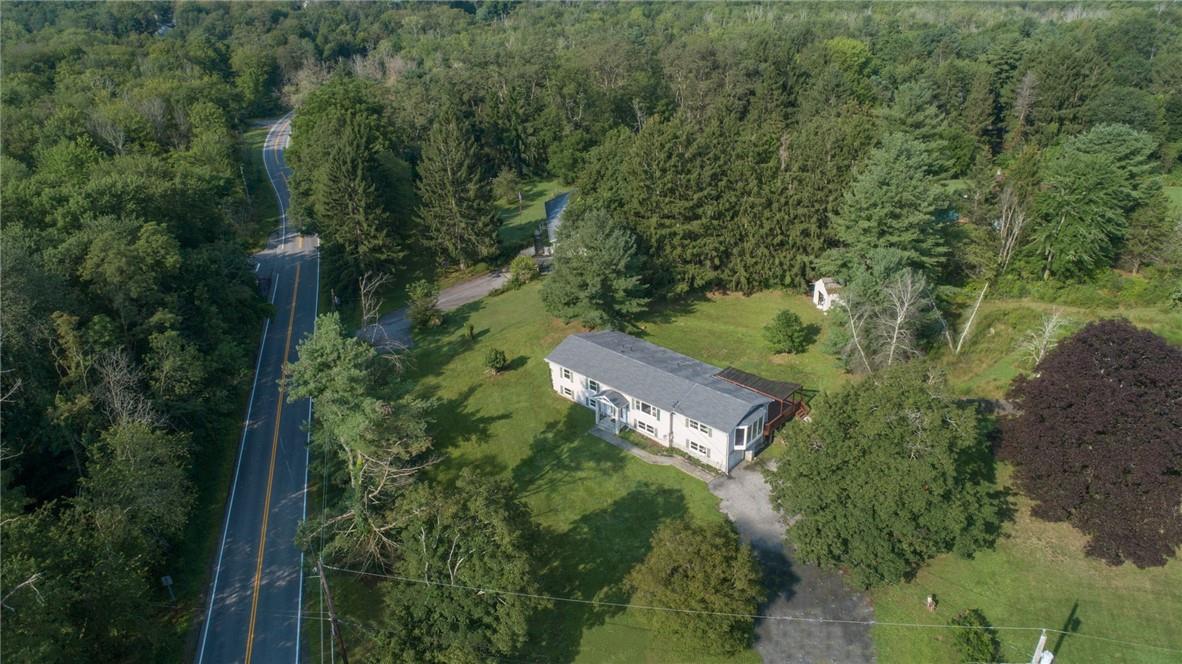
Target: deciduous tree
700 568
890 472
457 542
1097 440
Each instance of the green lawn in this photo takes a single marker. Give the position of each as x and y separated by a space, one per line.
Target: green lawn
263 213
517 226
1175 196
598 506
1037 575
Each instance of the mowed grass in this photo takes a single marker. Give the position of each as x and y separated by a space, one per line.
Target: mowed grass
1037 576
597 507
1175 196
517 225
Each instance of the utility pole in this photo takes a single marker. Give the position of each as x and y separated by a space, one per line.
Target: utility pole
332 614
1041 654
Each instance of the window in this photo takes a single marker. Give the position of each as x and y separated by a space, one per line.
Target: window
741 438
645 408
697 426
589 400
700 449
646 428
593 386
566 374
566 392
757 428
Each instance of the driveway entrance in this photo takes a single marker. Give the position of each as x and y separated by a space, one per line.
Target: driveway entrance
798 589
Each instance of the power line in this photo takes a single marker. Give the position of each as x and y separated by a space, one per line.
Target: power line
754 616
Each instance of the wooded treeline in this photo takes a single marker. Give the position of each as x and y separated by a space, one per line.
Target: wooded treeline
128 316
741 143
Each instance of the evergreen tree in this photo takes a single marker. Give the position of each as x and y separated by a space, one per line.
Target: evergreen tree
348 180
455 202
893 204
596 272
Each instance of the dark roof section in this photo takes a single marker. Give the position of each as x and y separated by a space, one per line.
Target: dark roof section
776 389
661 377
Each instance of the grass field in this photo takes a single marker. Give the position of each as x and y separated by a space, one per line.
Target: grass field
598 506
1175 196
1037 575
517 226
991 358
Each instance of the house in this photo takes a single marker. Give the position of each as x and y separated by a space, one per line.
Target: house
826 292
718 416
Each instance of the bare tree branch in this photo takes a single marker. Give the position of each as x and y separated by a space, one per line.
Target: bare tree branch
1038 342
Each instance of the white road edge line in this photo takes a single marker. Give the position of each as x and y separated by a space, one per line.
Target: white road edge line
213 593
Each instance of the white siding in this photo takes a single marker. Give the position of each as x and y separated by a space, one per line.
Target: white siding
672 429
718 442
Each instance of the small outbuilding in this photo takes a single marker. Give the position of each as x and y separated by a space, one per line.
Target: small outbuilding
826 293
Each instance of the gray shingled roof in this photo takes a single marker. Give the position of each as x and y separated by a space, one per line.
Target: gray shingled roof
666 379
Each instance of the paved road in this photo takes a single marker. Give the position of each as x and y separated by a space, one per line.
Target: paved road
253 614
800 589
396 326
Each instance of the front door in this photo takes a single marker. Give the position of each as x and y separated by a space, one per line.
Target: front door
605 414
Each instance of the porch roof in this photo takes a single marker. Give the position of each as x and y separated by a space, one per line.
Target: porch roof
779 390
614 398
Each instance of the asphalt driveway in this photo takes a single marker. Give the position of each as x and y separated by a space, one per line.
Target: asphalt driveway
799 589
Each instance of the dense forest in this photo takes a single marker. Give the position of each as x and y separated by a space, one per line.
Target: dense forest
941 149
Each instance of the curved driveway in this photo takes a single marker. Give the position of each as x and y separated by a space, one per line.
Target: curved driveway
255 599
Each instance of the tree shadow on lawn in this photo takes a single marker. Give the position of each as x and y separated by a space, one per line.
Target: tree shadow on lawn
562 450
668 311
590 561
437 347
456 423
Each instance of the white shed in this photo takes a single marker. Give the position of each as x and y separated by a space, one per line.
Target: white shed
826 292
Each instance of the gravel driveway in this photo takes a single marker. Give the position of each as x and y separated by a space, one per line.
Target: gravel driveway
396 325
800 589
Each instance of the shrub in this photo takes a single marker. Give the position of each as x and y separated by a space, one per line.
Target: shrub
702 567
522 270
495 360
978 642
423 310
1096 443
787 334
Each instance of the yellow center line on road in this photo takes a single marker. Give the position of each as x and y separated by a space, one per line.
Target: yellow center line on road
258 571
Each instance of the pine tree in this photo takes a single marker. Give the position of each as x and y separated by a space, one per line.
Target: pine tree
893 204
596 272
456 204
